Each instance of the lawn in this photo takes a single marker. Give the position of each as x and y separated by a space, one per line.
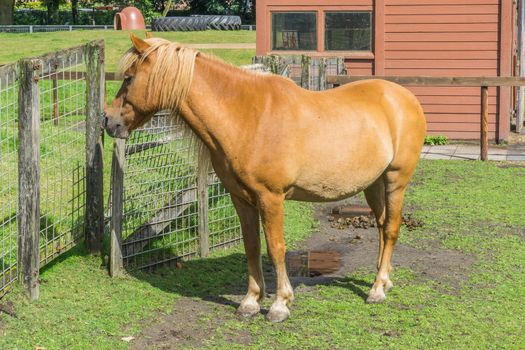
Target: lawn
472 208
117 42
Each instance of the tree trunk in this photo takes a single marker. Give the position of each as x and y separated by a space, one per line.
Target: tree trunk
7 8
74 11
52 11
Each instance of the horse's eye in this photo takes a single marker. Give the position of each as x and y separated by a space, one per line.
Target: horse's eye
128 79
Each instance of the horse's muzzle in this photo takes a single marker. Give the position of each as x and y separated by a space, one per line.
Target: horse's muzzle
115 127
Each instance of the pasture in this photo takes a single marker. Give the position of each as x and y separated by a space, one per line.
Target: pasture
459 279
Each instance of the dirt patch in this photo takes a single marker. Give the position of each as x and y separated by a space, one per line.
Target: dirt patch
358 248
194 321
191 324
8 308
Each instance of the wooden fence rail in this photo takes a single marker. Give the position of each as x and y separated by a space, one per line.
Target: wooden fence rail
482 82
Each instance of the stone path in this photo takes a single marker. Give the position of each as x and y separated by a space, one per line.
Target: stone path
515 152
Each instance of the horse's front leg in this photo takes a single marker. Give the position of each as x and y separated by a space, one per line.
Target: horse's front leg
271 207
249 217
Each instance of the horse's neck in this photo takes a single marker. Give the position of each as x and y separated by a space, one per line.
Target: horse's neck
216 106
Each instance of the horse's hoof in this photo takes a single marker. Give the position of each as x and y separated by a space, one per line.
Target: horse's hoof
248 310
375 297
278 314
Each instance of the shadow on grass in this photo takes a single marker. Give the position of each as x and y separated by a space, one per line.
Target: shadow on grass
223 280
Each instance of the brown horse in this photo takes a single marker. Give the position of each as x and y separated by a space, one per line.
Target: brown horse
270 140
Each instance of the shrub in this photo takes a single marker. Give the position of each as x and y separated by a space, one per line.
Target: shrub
436 140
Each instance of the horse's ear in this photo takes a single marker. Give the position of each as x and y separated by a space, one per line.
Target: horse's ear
149 35
140 45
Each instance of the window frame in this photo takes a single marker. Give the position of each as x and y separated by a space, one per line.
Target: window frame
366 52
316 14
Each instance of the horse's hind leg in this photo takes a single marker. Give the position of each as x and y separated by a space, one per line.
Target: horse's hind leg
395 183
375 197
249 217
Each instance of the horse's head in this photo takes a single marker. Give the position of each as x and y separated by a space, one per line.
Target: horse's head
157 76
131 108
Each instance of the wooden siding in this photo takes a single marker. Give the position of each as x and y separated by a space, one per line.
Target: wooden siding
360 67
430 38
452 38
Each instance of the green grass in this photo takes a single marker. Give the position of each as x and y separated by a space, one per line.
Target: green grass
92 311
117 42
472 207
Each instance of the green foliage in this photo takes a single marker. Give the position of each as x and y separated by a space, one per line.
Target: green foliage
433 140
242 8
39 17
37 5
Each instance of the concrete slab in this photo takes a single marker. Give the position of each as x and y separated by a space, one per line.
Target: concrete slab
443 149
465 156
473 149
437 156
498 157
515 152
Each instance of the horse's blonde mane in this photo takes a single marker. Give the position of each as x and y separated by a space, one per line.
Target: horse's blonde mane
169 82
173 67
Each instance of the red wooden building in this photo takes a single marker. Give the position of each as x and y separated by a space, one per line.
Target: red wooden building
404 38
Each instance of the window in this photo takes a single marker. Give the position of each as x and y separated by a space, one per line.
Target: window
347 31
294 31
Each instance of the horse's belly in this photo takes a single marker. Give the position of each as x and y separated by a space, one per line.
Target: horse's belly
333 186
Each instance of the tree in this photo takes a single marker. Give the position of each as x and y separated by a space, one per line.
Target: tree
243 8
74 11
52 11
7 8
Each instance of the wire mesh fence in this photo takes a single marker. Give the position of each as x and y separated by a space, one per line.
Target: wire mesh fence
43 143
161 212
50 28
8 176
159 220
62 88
224 225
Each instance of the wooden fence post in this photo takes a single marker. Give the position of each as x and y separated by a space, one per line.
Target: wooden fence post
94 219
521 50
202 198
305 71
117 194
29 177
322 73
341 66
484 122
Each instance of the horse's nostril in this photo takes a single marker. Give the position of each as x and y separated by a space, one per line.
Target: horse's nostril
117 126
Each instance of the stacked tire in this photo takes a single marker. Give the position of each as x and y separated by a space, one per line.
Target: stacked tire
220 22
178 24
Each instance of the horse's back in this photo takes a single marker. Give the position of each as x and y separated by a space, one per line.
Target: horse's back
400 110
354 133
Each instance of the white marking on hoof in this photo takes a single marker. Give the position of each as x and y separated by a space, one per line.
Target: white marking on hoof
247 309
376 296
278 313
388 286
